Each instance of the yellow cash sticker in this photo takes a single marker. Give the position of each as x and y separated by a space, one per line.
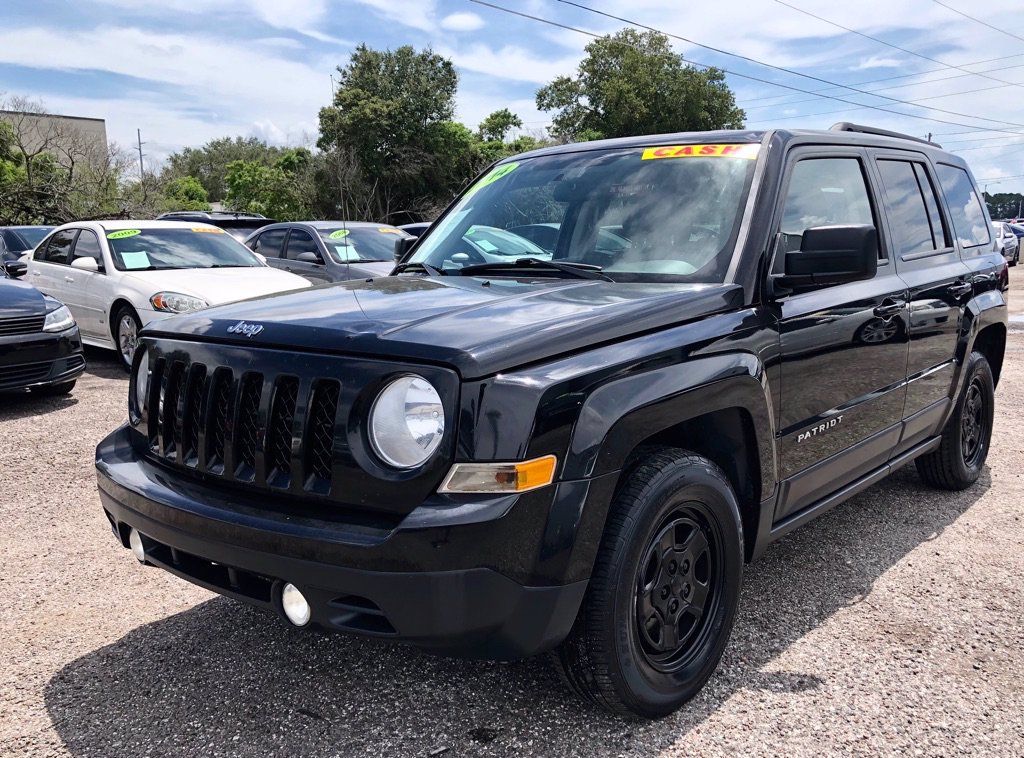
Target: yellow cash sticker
388 230
207 230
748 151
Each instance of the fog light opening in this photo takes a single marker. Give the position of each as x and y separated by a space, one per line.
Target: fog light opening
295 605
135 542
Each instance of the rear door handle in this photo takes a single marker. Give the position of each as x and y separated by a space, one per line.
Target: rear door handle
889 308
960 289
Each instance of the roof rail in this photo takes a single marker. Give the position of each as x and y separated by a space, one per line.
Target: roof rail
846 126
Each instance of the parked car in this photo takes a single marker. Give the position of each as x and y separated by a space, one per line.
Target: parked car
119 276
40 347
15 242
1007 242
238 225
578 452
328 251
417 228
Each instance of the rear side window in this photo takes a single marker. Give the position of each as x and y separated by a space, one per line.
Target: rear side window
912 208
824 192
269 244
57 248
964 206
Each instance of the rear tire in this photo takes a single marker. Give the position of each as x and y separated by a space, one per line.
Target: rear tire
957 463
662 598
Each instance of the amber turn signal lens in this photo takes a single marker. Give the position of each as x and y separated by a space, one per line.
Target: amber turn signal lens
501 477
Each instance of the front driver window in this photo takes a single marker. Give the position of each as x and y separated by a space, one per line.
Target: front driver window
823 192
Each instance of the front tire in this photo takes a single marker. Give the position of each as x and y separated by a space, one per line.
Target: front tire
957 463
126 335
662 598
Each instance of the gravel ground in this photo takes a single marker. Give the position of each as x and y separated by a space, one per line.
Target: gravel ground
891 625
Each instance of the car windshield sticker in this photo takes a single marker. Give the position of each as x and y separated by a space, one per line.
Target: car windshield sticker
207 229
388 230
135 260
122 233
748 151
499 172
338 234
346 253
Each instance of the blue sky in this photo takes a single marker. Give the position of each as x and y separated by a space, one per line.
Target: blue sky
185 71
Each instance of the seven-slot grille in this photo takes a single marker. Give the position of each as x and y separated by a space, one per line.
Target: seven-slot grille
243 425
21 325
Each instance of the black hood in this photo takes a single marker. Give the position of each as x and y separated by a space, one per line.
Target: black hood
20 299
478 327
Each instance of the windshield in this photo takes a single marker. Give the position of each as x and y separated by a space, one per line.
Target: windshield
668 213
33 235
156 249
362 243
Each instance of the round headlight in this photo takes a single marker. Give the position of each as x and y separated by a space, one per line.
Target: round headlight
140 380
407 422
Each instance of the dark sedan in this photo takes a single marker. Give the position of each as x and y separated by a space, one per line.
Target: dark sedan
15 241
329 251
40 347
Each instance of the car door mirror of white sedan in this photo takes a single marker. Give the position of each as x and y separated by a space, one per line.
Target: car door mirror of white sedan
85 264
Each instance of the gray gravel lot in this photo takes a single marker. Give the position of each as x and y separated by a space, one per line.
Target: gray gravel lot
895 623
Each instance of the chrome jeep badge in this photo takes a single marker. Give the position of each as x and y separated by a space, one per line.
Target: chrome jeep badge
249 330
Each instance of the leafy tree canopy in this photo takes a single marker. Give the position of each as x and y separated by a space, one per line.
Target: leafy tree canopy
633 83
209 163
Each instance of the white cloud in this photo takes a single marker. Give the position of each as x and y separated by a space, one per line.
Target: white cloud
878 61
462 22
418 14
510 62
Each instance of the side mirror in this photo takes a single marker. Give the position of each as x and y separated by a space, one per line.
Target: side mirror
402 247
85 264
15 269
831 255
309 258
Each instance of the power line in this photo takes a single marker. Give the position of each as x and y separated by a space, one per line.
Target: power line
692 62
978 20
907 76
914 101
894 47
894 86
792 72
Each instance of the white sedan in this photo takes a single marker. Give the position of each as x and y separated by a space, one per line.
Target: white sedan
118 276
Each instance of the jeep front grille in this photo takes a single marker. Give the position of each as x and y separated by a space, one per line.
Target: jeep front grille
208 419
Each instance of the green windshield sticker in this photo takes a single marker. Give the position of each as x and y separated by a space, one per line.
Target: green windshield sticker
122 233
337 234
135 260
499 172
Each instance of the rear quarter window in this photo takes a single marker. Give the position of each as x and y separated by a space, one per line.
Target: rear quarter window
965 209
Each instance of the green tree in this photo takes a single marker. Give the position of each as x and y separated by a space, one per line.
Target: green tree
496 126
1005 204
185 193
633 83
389 135
209 163
281 191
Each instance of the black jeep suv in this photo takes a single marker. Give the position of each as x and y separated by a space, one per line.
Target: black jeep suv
504 448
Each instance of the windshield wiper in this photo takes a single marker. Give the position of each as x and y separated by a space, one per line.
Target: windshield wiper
577 270
403 267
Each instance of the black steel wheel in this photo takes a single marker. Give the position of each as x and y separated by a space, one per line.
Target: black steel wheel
663 594
676 587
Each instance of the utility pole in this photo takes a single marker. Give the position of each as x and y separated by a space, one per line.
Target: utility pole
142 171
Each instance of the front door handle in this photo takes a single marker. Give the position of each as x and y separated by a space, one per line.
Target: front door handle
889 308
960 289
68 279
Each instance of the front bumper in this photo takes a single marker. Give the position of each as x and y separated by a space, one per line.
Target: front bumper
40 359
470 578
